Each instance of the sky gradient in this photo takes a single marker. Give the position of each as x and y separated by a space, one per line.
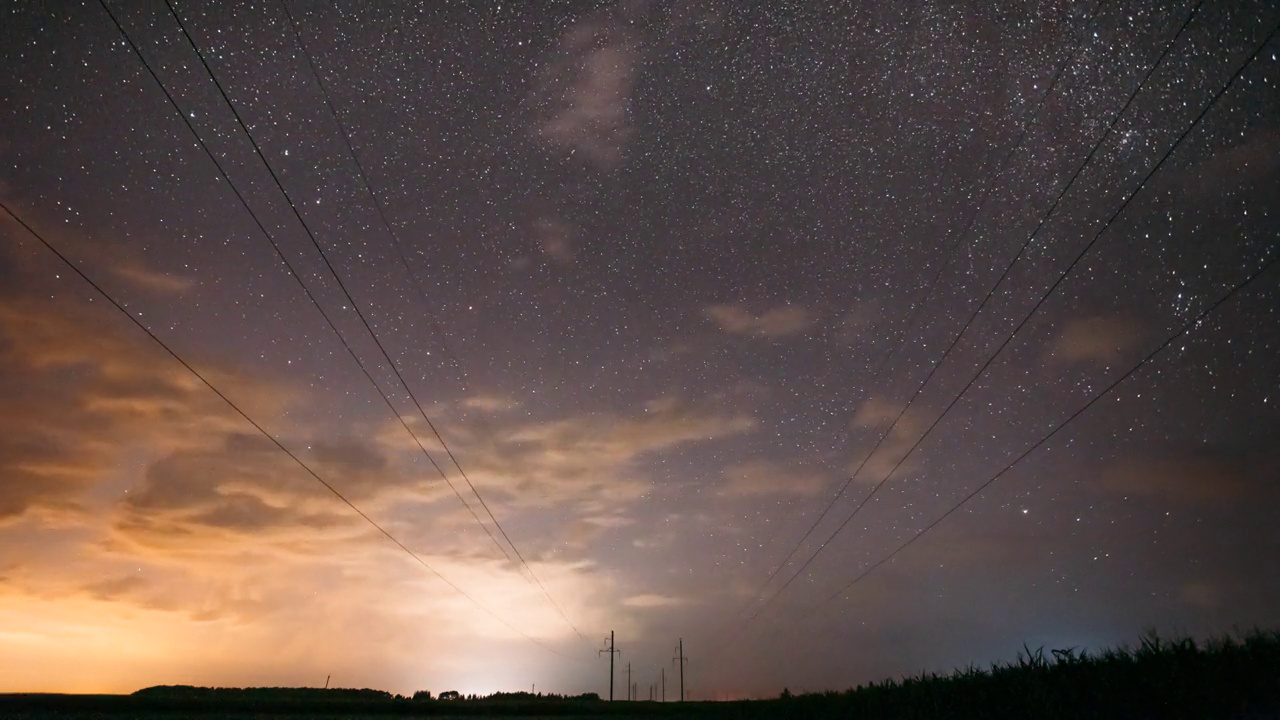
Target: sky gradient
660 276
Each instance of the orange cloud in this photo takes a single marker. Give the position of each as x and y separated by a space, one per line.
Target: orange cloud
146 519
81 392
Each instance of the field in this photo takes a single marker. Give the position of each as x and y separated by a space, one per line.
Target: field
1226 678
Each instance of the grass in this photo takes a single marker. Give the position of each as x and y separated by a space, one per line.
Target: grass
1180 678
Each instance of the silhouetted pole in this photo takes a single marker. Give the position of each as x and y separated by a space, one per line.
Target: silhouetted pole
680 658
662 672
630 687
612 651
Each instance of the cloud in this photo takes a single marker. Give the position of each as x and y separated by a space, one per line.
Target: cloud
581 97
81 392
765 477
877 414
650 600
1198 475
1253 159
246 485
857 322
179 526
591 461
490 403
555 237
1101 339
152 281
774 323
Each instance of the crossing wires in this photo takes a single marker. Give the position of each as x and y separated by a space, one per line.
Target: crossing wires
1195 322
404 261
222 173
326 260
990 186
973 316
1064 274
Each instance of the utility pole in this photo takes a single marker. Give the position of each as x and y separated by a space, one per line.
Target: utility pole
630 687
612 652
662 672
680 658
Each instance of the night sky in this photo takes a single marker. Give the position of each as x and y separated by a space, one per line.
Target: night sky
660 275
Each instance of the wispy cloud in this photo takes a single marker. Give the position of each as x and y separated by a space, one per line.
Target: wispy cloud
591 461
773 323
650 600
1100 339
490 403
877 415
151 280
766 477
555 237
581 96
1254 157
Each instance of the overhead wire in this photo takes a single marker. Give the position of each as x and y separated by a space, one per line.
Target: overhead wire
932 285
324 256
990 294
990 185
1186 328
1061 278
356 307
263 431
416 282
289 267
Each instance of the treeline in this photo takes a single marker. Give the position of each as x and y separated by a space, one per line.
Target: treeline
262 693
520 696
217 694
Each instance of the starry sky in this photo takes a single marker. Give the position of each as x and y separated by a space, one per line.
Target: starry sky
603 324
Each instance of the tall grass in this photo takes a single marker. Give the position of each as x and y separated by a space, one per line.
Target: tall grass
1160 678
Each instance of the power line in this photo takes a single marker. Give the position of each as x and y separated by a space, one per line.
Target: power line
337 278
279 445
986 195
1033 115
1186 328
1057 283
292 272
349 297
395 368
416 282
